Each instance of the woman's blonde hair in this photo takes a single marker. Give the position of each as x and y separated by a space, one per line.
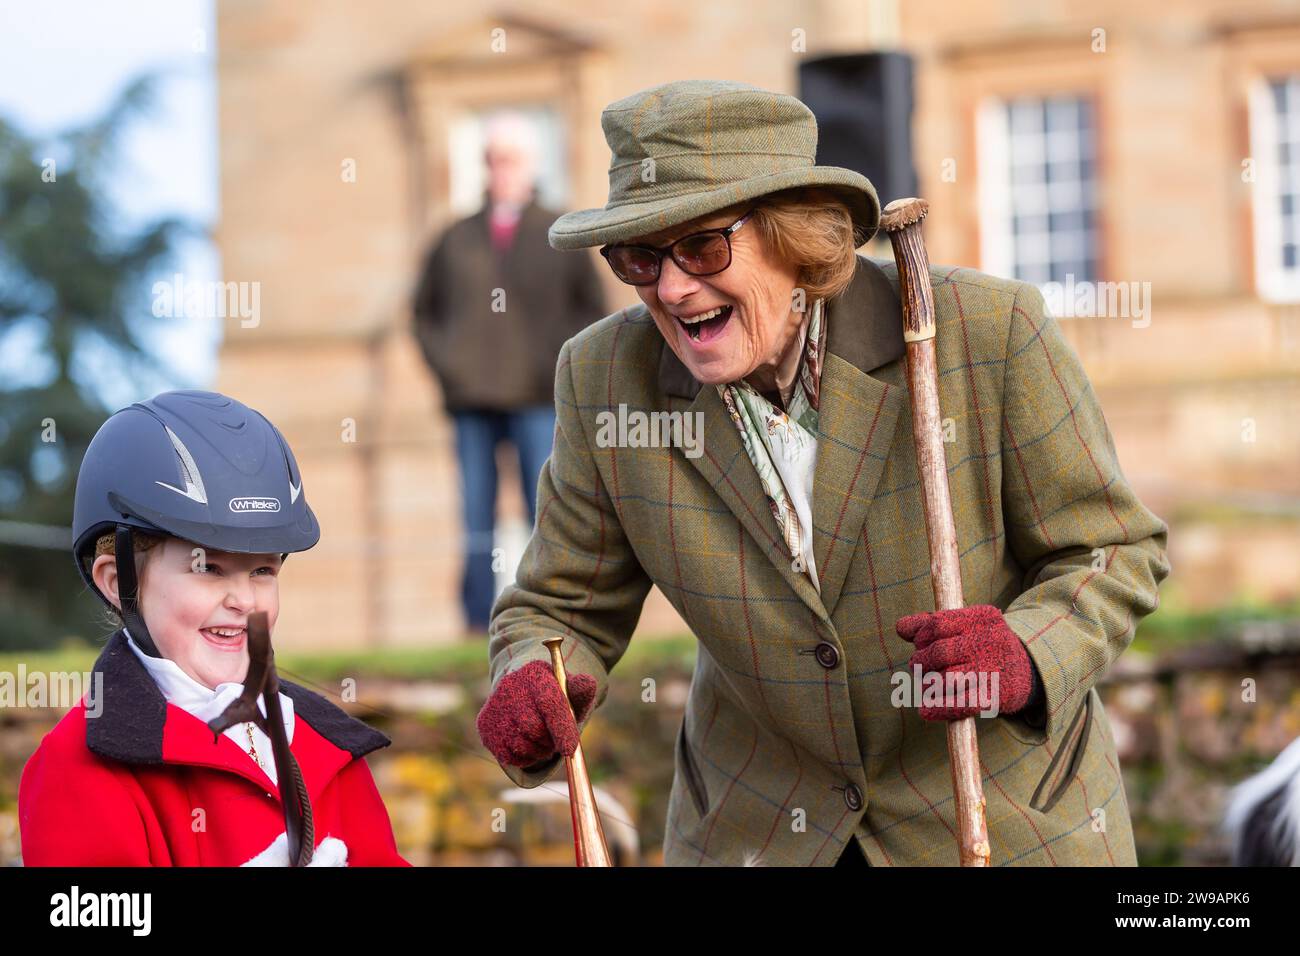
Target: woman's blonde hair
809 227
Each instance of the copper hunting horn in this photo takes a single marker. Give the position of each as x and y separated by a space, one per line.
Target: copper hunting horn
588 835
902 220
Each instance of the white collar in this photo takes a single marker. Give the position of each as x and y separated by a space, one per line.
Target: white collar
188 694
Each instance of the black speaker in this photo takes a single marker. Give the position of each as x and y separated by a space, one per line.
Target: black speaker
863 105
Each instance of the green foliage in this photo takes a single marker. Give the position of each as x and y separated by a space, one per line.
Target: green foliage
454 663
73 296
1171 627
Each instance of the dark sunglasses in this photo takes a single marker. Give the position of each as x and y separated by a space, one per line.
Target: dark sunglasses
703 253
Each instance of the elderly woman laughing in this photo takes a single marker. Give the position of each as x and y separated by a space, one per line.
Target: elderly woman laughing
794 547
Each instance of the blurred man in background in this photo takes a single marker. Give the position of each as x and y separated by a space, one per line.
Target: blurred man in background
493 307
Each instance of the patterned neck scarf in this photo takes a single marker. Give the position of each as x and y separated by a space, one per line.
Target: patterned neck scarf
783 445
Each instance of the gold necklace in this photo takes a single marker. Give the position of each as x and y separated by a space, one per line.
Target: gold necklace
252 748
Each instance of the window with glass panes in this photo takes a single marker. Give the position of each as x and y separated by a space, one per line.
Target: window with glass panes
1286 129
1273 172
1043 151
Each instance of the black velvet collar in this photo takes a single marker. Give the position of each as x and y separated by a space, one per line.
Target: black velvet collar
130 726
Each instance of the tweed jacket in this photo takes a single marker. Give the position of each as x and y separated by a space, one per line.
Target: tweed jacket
794 740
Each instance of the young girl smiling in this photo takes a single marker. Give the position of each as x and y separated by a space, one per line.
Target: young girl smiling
186 508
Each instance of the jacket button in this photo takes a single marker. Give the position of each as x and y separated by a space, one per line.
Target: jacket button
827 655
853 796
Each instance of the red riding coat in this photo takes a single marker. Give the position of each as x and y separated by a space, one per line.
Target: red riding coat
143 783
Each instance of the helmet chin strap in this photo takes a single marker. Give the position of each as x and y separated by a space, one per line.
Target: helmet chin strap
128 591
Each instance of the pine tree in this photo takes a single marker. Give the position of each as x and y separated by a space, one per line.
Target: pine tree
74 313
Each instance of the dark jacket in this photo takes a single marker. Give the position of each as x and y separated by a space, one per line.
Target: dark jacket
503 359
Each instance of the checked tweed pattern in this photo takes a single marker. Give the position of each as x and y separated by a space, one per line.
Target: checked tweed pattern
789 716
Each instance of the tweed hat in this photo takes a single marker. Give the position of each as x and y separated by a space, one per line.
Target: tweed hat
683 150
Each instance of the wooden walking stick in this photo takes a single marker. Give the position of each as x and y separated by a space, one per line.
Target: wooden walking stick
589 845
902 221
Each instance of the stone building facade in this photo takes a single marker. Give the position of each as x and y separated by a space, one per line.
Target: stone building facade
337 124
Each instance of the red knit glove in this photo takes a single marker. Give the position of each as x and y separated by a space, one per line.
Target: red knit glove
970 639
526 720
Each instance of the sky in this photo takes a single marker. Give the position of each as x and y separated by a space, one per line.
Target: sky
62 62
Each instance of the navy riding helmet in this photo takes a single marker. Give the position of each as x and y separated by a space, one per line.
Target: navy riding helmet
195 465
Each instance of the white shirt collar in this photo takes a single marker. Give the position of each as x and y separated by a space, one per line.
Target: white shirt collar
204 703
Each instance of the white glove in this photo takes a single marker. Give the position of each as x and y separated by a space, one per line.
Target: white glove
331 852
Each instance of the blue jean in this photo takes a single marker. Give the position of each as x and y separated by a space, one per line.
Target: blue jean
531 430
